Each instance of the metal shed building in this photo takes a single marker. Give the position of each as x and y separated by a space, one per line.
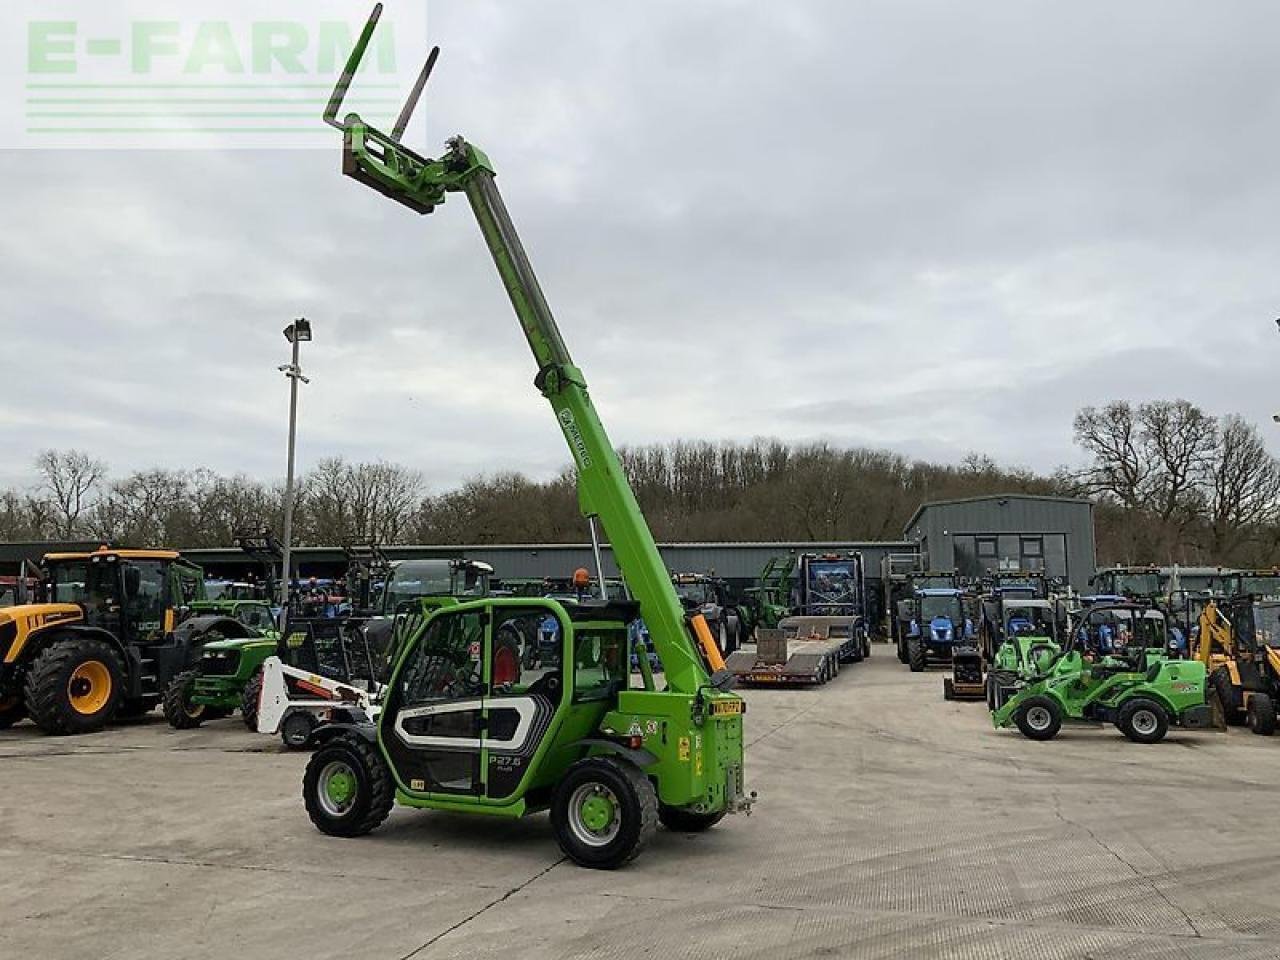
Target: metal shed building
1008 532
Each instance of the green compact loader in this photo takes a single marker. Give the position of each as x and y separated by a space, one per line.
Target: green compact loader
1114 669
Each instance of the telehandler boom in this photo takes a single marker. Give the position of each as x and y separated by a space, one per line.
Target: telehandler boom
474 722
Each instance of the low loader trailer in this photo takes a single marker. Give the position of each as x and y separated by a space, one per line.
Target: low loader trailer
795 654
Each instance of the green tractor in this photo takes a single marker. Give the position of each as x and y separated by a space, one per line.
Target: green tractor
467 728
228 675
1114 669
1018 637
769 602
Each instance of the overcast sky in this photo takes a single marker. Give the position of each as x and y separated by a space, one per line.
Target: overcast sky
929 227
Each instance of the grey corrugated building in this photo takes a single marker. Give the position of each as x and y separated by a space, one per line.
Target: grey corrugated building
1015 531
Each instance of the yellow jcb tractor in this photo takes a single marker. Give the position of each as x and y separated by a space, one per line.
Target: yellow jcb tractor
113 631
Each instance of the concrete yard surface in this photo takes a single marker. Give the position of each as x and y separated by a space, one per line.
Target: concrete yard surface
890 824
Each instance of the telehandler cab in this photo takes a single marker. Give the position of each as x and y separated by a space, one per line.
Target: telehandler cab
457 733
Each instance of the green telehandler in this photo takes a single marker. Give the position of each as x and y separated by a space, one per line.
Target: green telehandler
463 729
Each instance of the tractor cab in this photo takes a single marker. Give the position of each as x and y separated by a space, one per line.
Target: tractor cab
939 621
469 708
411 582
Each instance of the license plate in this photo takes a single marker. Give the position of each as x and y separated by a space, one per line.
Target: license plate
726 708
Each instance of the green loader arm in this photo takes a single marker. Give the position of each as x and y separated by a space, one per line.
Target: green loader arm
382 162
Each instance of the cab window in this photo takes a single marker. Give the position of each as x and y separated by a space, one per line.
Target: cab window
446 663
602 664
146 608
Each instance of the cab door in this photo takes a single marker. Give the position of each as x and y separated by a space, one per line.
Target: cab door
432 722
526 685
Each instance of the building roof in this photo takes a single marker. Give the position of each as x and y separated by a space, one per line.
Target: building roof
995 496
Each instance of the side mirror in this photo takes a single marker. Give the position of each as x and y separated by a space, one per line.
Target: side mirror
132 581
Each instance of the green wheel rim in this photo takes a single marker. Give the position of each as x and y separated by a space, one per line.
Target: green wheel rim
338 788
595 814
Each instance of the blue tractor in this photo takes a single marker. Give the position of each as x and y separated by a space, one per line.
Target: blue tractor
939 621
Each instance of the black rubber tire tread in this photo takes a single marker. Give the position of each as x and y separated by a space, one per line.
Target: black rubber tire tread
376 790
1030 732
45 689
293 725
1262 715
176 697
678 820
249 701
12 710
901 644
640 811
1124 720
1225 691
917 655
948 689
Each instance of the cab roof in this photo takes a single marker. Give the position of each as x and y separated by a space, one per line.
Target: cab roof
125 554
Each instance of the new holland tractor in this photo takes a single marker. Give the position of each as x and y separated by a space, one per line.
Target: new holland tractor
117 627
461 730
939 620
1114 669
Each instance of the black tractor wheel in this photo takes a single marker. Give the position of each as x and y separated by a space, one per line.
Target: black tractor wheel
948 689
678 820
990 686
347 787
249 701
1143 720
181 713
902 650
917 655
604 811
1222 687
1039 718
74 686
1262 715
295 729
12 709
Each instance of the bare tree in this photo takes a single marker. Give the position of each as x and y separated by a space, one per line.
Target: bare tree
1121 468
69 479
1244 482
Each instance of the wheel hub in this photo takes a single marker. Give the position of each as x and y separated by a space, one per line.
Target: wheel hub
595 815
89 687
1038 718
1144 721
338 788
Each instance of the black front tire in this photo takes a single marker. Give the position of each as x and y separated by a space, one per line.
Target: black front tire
1225 691
181 713
1262 715
679 820
296 728
1039 718
917 655
249 701
636 812
373 794
48 693
1143 720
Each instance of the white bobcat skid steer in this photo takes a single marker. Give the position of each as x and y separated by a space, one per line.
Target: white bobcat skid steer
294 701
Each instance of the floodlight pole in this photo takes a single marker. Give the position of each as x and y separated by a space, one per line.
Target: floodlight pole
294 372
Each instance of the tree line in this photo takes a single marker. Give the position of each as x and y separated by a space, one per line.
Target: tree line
1171 484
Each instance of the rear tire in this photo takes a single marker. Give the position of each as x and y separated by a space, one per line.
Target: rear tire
678 820
948 689
181 713
1143 720
1039 718
1262 715
917 656
347 788
74 686
249 701
604 811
